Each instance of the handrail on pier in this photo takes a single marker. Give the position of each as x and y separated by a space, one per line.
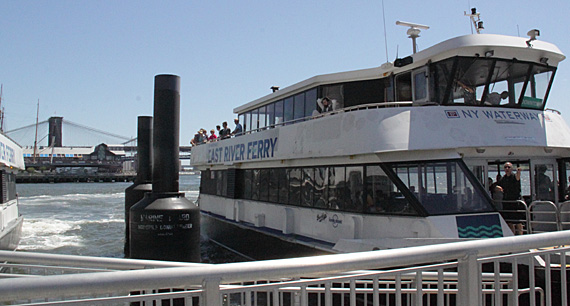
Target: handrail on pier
213 284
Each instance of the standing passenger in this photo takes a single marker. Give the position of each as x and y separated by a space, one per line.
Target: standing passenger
511 187
212 136
238 130
219 129
226 130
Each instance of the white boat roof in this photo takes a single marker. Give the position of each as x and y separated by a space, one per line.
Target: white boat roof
504 47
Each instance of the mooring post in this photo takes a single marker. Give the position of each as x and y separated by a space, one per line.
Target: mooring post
165 225
143 180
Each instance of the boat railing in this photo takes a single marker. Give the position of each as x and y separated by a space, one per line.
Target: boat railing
444 274
514 213
538 217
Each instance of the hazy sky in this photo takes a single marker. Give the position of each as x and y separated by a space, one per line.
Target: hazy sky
94 62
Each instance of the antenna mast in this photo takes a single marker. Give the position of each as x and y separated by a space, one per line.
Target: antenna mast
477 23
413 31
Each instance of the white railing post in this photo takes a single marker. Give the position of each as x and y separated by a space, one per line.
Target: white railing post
469 280
211 291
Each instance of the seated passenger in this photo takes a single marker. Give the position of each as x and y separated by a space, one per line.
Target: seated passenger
495 98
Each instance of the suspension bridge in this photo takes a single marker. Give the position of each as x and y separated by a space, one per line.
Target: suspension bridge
59 132
67 151
72 134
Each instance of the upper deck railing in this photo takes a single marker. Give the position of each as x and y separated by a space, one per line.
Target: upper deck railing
446 274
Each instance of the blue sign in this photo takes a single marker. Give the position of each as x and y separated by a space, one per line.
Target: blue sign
479 226
493 114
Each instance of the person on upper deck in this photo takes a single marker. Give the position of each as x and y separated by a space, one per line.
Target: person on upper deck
219 129
238 130
225 132
212 135
325 105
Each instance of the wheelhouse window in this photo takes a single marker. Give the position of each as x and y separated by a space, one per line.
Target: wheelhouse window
491 82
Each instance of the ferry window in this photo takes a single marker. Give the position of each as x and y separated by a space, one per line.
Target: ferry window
544 182
446 187
295 178
254 119
404 87
320 194
271 114
335 94
354 179
219 182
262 117
307 188
420 82
336 187
279 112
310 102
283 178
274 185
469 81
299 108
255 184
505 77
288 109
535 93
247 122
247 184
264 185
383 196
365 92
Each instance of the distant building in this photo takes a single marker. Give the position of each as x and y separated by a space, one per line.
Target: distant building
98 159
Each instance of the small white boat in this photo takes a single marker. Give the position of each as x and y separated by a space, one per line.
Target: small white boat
11 160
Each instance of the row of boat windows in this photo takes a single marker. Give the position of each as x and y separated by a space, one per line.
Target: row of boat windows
405 189
8 190
460 81
308 103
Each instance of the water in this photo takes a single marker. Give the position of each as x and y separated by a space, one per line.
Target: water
87 218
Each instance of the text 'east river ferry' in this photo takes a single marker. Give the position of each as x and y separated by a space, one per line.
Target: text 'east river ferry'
399 155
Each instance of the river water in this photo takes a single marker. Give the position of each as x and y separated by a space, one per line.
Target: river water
88 219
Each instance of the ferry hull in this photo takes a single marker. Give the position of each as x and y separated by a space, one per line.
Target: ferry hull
10 235
252 244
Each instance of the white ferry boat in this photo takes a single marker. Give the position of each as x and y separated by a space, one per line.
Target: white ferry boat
11 160
404 155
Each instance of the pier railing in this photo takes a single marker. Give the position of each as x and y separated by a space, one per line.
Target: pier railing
527 269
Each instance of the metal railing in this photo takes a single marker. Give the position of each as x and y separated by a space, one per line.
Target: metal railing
498 271
311 117
538 217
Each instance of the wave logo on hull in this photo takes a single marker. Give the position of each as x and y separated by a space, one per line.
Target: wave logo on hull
480 226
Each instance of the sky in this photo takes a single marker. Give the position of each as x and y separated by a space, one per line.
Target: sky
94 62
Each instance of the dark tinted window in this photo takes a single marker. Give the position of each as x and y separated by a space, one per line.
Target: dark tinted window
295 179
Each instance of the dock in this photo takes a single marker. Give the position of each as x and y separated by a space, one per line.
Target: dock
23 178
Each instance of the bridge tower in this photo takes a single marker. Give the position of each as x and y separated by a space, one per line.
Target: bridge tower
55 138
